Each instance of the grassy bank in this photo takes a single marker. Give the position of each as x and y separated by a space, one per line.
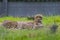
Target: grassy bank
40 34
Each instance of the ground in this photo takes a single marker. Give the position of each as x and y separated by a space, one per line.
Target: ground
25 34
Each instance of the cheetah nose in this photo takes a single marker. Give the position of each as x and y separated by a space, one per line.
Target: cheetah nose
38 19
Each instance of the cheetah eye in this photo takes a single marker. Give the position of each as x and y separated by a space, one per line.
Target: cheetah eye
37 17
40 17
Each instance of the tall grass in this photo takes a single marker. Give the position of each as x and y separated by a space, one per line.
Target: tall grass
40 34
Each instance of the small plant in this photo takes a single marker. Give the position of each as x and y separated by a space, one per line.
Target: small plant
54 28
30 18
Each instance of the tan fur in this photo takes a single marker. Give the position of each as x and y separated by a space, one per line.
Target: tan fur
10 24
25 25
37 23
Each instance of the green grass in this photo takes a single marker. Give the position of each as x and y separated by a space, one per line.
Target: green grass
51 19
40 34
14 18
